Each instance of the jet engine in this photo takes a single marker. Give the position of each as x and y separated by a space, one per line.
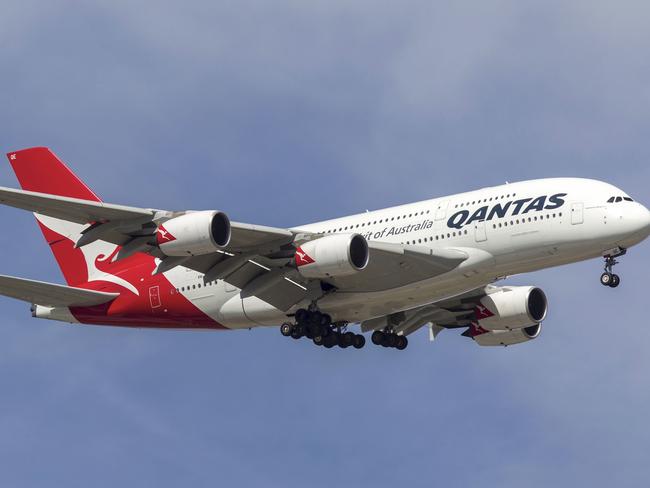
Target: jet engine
512 307
194 234
508 337
332 256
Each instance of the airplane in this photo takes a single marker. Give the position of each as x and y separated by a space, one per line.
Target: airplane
433 263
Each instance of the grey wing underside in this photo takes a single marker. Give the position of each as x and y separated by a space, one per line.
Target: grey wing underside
271 280
451 313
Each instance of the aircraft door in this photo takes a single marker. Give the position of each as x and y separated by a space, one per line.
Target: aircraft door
577 213
479 231
154 297
441 209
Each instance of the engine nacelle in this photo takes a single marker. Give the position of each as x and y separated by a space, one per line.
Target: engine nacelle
512 307
194 233
508 337
332 256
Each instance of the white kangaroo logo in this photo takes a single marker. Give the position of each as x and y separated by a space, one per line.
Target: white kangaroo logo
99 250
163 233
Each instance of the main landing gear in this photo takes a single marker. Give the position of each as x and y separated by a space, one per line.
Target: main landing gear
389 339
608 278
318 327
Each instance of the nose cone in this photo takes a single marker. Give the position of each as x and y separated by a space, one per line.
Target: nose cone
645 221
630 222
639 219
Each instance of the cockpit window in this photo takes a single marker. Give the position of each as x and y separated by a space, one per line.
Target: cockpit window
619 199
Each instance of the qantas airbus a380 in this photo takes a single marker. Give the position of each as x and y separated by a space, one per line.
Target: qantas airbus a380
430 263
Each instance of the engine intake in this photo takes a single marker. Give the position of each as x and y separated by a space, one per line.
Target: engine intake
512 307
194 234
332 256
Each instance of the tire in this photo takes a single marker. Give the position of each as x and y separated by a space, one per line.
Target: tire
326 320
346 340
359 341
606 279
331 341
315 318
325 331
402 342
301 315
319 340
286 329
296 333
616 280
390 340
377 338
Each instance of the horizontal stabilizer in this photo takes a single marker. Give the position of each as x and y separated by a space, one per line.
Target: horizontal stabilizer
51 294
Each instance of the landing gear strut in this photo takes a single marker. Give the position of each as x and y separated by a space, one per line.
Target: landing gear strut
608 278
318 327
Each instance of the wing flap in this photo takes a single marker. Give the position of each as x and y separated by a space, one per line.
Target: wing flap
51 294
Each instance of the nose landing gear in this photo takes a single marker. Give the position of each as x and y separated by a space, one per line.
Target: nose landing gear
608 278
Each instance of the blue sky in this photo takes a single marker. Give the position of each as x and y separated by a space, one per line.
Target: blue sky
286 112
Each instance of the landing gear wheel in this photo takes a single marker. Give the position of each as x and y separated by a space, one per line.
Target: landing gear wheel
359 341
318 340
606 279
402 342
346 339
302 315
377 338
325 320
285 329
315 317
330 341
296 332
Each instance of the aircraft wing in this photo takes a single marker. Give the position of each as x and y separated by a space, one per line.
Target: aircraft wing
119 224
392 265
71 209
50 294
272 278
453 313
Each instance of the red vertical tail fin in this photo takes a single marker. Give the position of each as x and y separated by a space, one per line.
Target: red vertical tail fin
38 169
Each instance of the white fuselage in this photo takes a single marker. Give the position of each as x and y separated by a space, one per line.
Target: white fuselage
505 230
